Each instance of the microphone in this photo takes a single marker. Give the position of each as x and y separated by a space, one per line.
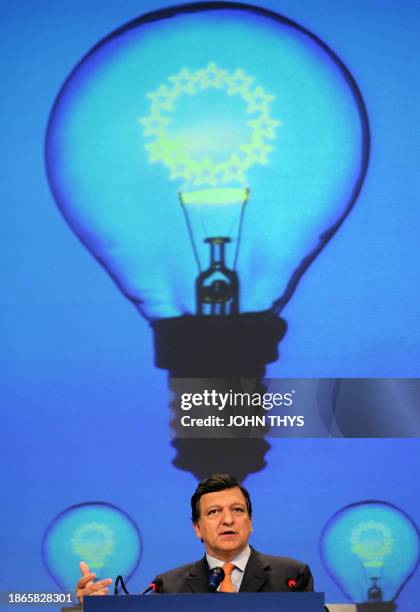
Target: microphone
295 584
118 581
154 586
215 577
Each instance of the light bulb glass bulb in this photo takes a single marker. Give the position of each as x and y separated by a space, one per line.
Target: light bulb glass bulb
370 549
100 534
207 121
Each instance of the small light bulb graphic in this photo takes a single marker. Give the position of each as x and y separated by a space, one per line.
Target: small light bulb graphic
101 534
371 549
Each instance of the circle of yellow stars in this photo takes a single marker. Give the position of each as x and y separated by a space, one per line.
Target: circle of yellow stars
374 549
206 171
95 554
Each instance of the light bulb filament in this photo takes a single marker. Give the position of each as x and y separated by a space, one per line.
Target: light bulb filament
217 288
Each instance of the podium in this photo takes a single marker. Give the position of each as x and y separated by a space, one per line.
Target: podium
208 602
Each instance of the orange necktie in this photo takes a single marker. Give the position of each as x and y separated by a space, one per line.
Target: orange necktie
226 585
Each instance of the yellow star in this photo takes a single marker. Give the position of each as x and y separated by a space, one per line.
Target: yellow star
239 83
233 170
205 173
156 151
258 100
211 76
180 169
154 124
264 127
162 99
165 150
256 152
184 82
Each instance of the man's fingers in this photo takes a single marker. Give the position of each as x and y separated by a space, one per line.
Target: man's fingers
103 582
97 586
87 586
101 592
83 581
84 568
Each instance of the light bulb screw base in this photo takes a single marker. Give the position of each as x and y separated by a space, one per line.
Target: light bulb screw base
227 350
206 346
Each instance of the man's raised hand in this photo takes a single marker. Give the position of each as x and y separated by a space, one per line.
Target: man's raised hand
87 585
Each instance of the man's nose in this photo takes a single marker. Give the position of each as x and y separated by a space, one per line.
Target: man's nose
227 517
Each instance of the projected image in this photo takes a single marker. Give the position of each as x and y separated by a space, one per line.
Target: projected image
371 549
205 174
100 534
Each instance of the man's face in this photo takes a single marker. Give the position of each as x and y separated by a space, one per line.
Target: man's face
224 524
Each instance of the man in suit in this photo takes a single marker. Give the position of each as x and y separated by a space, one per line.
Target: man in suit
222 519
221 514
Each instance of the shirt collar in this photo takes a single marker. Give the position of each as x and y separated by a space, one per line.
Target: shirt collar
239 561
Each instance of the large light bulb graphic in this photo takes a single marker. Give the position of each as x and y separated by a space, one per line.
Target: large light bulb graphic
100 534
371 549
205 154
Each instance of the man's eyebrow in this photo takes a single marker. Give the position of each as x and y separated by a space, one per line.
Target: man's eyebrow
219 506
212 507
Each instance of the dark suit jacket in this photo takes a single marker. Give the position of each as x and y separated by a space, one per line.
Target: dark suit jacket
262 573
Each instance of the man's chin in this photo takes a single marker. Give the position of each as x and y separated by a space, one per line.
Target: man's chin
231 544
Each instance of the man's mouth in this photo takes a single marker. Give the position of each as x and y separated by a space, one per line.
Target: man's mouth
228 532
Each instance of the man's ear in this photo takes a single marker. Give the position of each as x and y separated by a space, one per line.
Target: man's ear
197 530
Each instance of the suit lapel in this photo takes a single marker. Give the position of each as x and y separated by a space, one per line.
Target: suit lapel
196 581
256 573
